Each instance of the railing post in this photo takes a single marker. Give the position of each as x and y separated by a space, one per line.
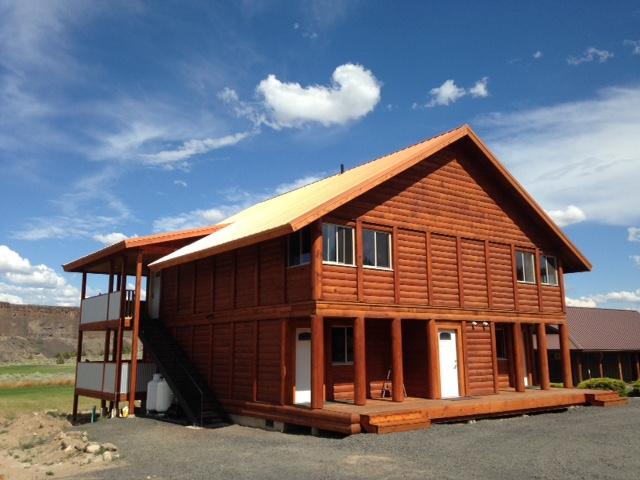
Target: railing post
134 336
118 373
543 359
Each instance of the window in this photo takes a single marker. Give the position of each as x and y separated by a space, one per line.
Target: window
501 343
342 345
548 270
377 249
525 267
299 247
337 244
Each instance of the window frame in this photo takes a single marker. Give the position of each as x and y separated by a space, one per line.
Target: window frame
544 260
524 253
353 245
375 249
298 235
346 360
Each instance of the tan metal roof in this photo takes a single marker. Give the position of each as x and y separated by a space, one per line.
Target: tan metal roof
291 211
601 329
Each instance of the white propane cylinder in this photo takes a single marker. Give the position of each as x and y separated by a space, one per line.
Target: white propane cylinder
164 396
152 392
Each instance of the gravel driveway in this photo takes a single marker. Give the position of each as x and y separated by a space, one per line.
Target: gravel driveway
584 442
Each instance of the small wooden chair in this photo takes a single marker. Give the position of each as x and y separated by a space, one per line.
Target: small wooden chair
387 386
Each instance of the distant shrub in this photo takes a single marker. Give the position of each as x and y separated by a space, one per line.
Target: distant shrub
557 385
612 384
60 358
635 389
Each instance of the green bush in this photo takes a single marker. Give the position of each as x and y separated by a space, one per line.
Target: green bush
604 384
60 358
635 389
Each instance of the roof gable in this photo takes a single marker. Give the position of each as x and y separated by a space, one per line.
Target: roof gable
294 210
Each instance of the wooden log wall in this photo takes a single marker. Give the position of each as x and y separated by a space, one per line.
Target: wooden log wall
479 359
455 234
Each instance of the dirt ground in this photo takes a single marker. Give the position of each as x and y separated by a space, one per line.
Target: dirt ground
41 445
582 442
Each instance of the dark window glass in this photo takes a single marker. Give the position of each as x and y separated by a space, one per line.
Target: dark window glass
369 247
337 244
548 270
383 255
525 267
342 345
501 343
299 247
376 247
305 245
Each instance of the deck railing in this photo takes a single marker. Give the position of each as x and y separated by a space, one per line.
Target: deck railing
100 377
106 307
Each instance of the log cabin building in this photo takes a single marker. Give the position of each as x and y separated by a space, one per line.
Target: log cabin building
366 301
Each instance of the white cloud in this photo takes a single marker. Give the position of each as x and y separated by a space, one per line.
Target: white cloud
180 183
445 94
110 238
620 299
635 46
567 216
193 147
449 93
636 260
537 55
235 200
584 153
633 234
591 54
354 92
479 90
581 302
22 282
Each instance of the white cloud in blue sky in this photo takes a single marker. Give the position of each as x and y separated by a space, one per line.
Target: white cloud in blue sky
591 54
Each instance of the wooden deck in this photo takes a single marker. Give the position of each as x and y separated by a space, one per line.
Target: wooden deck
384 416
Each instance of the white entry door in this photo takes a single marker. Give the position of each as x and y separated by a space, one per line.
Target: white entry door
303 366
447 344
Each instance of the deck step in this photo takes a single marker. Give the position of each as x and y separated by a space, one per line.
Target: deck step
610 403
395 422
606 399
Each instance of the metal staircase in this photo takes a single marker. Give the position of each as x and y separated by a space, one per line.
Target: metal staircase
198 403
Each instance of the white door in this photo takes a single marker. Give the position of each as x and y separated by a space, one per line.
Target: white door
303 366
448 364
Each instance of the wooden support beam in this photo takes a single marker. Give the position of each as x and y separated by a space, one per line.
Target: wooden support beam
316 260
637 366
133 374
78 359
397 371
317 361
543 359
359 262
579 366
600 364
518 356
120 332
494 358
359 362
395 265
433 364
565 352
561 285
620 372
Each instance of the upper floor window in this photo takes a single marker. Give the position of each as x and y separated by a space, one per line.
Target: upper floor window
299 247
376 249
342 345
525 267
548 270
338 244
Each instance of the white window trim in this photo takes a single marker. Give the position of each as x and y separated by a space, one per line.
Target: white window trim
528 282
299 235
345 362
353 247
549 284
375 250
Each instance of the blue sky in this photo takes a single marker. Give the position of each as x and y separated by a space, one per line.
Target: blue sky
125 118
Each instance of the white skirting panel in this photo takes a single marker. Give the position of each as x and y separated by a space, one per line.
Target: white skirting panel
101 377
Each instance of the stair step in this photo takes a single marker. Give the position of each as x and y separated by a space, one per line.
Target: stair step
610 403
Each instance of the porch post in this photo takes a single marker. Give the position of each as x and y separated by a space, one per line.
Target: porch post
579 366
83 294
133 374
637 366
433 364
566 356
396 361
543 359
118 340
518 357
107 337
600 364
359 363
317 361
620 374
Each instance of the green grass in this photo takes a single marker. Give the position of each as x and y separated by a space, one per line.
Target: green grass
42 369
14 401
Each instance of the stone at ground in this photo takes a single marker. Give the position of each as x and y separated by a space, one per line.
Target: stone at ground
92 448
109 446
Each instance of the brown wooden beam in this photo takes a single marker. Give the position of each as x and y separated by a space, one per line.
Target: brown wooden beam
395 264
120 332
518 357
637 366
600 364
579 366
565 352
561 285
359 262
359 362
133 374
433 364
543 359
397 368
316 260
620 372
317 361
494 358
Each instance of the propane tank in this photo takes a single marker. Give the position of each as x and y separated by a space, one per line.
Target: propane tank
164 396
152 392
